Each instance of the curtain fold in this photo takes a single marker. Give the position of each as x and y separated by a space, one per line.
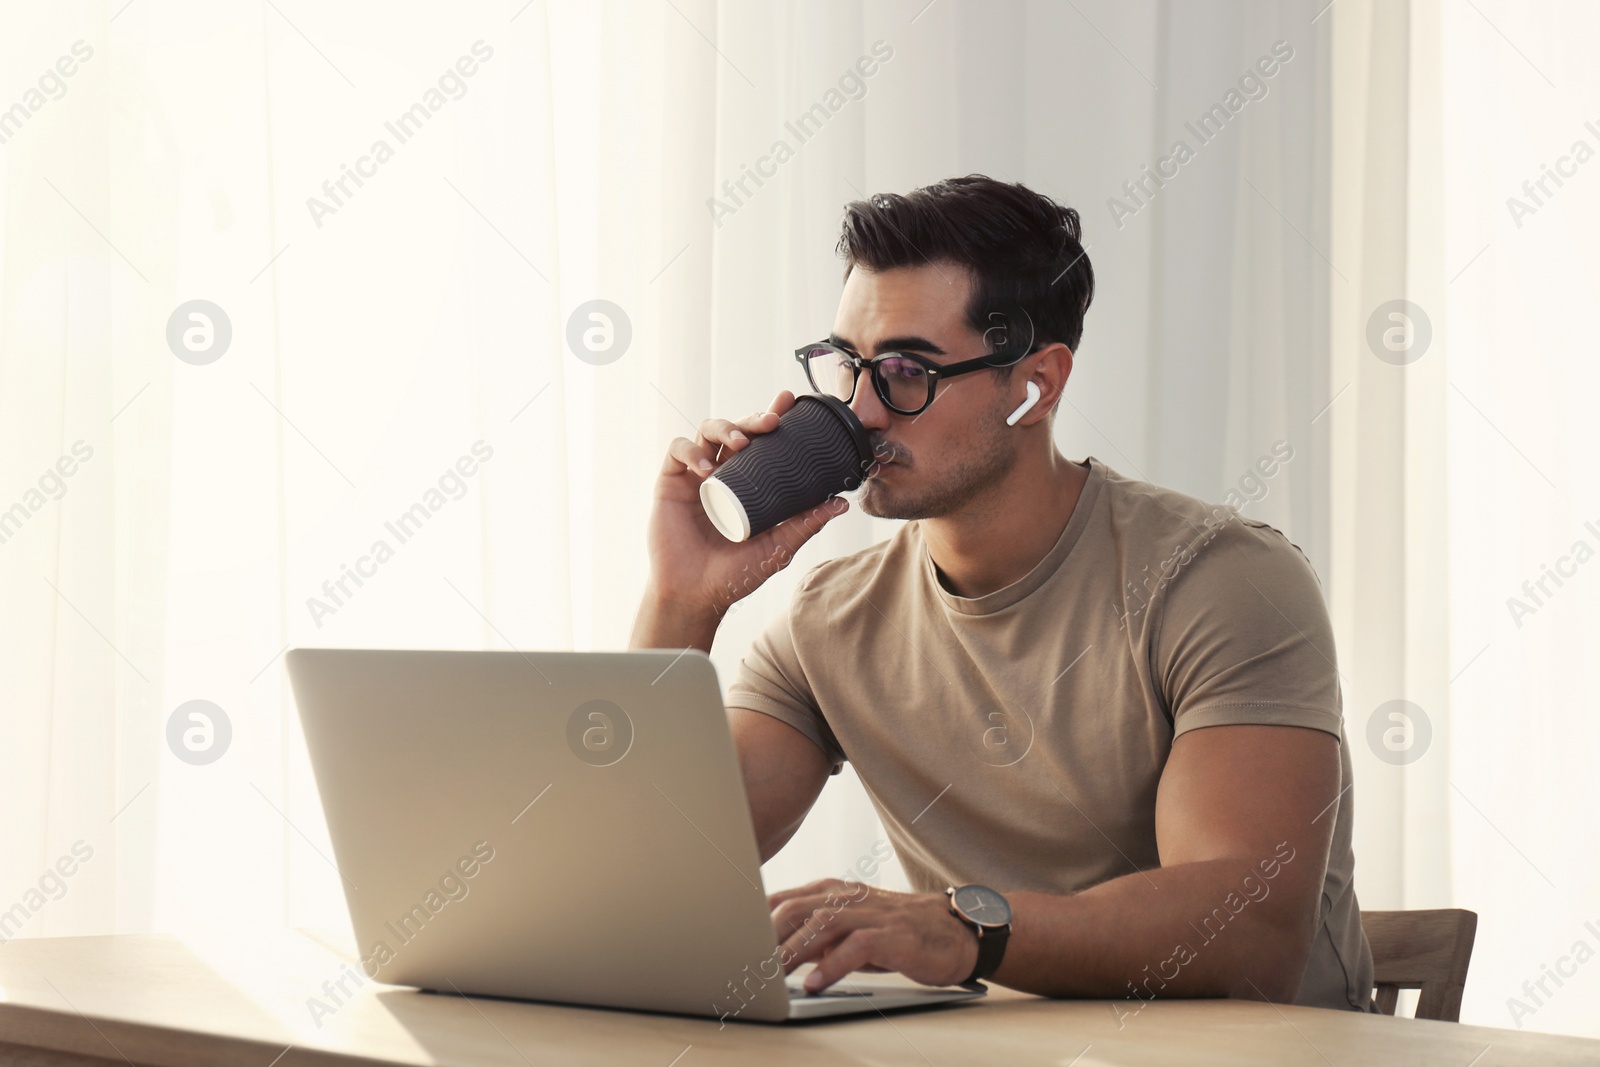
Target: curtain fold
1388 523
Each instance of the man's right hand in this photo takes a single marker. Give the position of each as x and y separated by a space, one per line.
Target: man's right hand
692 566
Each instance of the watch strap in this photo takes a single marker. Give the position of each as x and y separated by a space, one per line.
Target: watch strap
991 950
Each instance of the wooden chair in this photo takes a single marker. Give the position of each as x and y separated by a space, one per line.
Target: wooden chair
1426 950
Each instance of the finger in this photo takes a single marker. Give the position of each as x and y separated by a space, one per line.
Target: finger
791 916
684 454
821 885
724 432
763 421
714 436
742 430
872 945
821 931
766 420
828 890
759 422
719 438
798 922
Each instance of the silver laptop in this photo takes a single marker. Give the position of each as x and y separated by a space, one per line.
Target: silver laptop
558 826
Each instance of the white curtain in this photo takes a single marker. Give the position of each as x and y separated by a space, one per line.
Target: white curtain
1461 480
378 334
396 312
1458 476
1518 291
1385 421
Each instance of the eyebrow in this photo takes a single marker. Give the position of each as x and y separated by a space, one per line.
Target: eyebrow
894 344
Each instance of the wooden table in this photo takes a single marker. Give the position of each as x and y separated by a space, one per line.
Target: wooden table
155 1000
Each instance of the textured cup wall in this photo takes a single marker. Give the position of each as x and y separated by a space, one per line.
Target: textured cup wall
818 450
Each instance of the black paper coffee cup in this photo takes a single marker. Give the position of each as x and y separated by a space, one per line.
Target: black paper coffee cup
820 449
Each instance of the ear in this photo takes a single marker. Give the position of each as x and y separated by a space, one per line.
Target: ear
1049 369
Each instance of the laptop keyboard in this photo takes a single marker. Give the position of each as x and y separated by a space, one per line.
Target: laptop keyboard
797 991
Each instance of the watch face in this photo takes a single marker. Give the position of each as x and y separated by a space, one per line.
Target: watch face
983 905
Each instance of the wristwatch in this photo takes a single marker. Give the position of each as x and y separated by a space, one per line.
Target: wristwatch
988 914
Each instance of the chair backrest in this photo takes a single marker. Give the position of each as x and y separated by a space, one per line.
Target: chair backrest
1426 950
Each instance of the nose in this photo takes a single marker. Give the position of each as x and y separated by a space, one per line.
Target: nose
867 405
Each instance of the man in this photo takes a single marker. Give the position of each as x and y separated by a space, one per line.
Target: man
1102 706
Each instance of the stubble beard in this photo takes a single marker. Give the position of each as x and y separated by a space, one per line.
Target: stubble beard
976 471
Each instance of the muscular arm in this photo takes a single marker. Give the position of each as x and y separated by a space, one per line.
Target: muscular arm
1233 802
1243 834
783 771
783 775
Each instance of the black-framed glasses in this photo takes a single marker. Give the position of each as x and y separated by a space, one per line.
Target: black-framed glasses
904 381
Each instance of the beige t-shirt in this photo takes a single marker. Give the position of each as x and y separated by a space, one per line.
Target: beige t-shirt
1016 739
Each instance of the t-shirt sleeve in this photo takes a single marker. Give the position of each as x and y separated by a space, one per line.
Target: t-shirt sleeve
770 680
1245 637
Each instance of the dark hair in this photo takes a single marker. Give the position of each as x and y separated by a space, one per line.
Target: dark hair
1020 246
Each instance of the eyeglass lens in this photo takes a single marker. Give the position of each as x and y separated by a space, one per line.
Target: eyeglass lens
904 380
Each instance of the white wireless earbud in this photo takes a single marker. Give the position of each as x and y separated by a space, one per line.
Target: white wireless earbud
1022 408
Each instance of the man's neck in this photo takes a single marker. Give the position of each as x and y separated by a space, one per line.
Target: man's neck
1004 536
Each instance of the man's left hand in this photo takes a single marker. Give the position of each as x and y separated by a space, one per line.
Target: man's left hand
849 926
